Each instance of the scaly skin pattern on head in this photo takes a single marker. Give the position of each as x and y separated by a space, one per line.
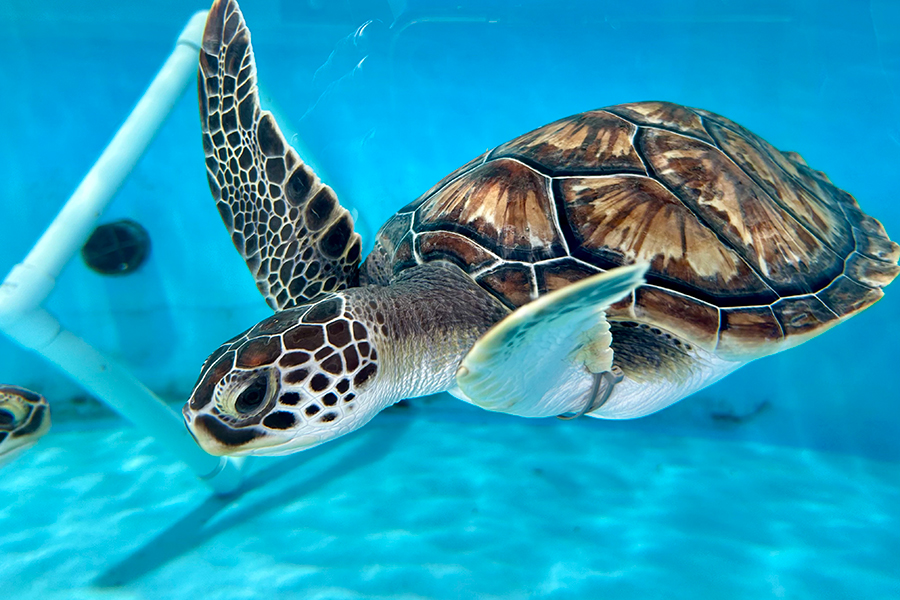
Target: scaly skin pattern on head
315 372
301 368
24 418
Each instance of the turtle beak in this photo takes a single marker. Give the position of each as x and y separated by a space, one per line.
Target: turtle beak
219 439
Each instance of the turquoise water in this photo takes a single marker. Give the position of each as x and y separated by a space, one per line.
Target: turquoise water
781 481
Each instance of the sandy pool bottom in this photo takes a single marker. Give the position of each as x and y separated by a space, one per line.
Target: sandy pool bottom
453 503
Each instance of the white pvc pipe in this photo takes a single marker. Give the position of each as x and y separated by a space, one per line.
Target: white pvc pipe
30 282
68 232
119 389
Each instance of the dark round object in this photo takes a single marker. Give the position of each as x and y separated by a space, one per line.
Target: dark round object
117 248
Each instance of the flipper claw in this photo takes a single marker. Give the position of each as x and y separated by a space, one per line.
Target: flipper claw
600 392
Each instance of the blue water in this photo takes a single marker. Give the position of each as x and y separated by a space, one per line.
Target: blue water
781 481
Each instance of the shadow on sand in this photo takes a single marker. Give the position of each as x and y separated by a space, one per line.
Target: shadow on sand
261 492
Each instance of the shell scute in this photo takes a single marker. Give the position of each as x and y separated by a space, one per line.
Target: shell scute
869 271
786 255
678 314
475 162
437 245
665 115
591 142
746 330
820 215
804 315
403 254
554 275
845 296
512 283
876 247
623 219
861 221
504 205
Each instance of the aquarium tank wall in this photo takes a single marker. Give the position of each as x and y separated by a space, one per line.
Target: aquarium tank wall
779 481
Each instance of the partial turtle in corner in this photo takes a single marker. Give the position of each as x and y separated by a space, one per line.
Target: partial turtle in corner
610 264
24 418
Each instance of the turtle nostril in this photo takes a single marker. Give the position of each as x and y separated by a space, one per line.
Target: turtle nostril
250 399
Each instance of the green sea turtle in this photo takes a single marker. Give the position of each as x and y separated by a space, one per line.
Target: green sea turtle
609 263
24 418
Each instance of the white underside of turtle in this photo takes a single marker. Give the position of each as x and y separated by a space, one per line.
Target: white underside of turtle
629 399
609 264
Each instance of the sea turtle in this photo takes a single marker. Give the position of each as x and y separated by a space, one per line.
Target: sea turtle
609 263
24 418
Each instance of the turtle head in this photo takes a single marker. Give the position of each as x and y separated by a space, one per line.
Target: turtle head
295 380
24 417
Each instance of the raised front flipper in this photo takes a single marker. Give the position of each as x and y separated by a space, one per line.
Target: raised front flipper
296 238
525 364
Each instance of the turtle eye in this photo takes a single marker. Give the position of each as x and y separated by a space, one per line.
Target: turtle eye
6 417
250 399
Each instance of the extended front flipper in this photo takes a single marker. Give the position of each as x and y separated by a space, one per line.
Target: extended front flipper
526 364
296 238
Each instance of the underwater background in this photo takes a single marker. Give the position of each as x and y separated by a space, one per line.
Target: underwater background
781 481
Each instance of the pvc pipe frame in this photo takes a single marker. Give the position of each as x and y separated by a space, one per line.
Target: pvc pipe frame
24 290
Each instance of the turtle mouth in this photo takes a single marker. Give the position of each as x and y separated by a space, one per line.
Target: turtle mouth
220 439
231 424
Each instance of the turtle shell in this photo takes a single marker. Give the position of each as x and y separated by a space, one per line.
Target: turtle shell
750 250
